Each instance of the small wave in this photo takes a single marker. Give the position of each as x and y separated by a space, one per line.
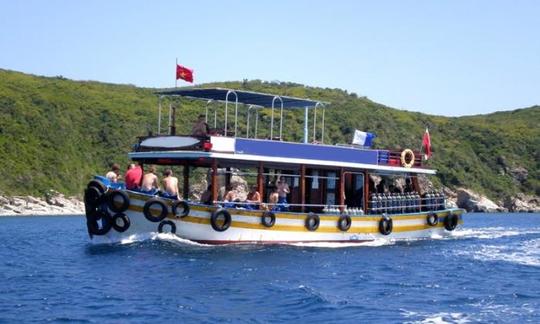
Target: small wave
336 245
523 253
169 237
435 318
153 236
491 232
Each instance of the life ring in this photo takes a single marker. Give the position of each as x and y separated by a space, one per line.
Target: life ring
152 204
344 223
407 158
432 219
268 219
124 225
167 222
118 201
312 221
386 224
181 206
92 196
94 227
451 222
220 220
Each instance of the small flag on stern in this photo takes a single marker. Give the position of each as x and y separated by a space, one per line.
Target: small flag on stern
184 73
363 138
426 145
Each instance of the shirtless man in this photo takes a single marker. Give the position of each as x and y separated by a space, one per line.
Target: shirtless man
150 182
283 190
253 198
273 199
170 184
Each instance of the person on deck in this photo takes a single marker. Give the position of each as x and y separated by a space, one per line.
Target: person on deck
170 185
150 183
133 176
206 197
114 175
230 197
253 198
283 191
200 128
273 200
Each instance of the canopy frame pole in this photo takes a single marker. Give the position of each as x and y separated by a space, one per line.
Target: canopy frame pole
247 122
215 117
314 123
170 117
306 120
206 114
322 131
159 116
256 121
272 119
281 121
227 109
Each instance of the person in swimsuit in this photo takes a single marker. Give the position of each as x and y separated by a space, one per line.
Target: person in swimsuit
150 183
170 185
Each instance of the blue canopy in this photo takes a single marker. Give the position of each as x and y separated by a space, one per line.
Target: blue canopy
244 97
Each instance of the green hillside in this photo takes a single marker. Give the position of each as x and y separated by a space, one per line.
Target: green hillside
56 133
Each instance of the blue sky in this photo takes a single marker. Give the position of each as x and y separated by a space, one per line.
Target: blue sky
439 57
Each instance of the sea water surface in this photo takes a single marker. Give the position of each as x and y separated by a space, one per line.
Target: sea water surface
488 271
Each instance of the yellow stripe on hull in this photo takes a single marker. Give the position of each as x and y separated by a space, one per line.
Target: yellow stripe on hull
355 229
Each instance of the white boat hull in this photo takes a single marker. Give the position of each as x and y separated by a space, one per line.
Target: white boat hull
246 226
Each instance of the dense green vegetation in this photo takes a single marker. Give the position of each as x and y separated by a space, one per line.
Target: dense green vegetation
55 133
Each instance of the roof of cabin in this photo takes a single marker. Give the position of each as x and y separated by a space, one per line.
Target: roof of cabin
244 97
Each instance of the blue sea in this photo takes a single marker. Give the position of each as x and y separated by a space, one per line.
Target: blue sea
488 271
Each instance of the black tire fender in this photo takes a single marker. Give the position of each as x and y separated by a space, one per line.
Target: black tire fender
167 222
151 204
312 222
126 223
92 197
451 222
95 228
386 224
268 219
183 206
432 219
344 223
98 185
118 201
214 220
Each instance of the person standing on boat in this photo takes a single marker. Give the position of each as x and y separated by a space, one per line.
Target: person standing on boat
150 183
170 185
133 176
283 191
200 129
114 175
273 200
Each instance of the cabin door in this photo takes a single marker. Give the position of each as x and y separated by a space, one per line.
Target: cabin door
354 190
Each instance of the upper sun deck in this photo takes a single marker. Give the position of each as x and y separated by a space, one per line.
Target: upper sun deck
227 144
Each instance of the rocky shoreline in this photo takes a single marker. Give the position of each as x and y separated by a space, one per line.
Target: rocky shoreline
57 204
53 204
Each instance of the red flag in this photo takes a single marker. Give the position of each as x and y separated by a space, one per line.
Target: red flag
184 73
426 145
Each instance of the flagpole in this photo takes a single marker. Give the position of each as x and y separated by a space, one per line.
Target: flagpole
175 79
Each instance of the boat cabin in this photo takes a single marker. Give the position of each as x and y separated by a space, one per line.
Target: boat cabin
322 178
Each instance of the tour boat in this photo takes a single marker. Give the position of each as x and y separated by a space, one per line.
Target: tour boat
337 193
